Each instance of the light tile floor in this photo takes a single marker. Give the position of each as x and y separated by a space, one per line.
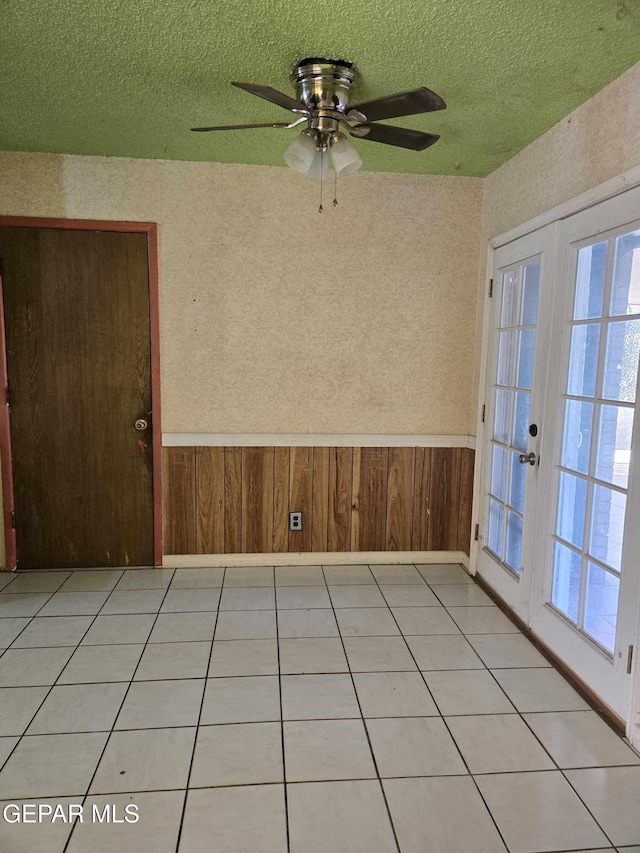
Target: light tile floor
341 709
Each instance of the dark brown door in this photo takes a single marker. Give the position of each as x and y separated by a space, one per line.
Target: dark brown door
78 356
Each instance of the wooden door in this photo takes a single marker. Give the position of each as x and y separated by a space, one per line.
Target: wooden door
77 325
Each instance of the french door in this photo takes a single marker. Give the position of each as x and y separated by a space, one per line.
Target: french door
513 415
587 563
560 515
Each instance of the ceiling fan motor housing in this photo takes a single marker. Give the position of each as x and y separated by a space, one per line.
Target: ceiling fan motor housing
323 86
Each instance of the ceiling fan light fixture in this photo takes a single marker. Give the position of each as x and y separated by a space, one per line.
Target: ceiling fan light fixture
346 159
301 153
319 168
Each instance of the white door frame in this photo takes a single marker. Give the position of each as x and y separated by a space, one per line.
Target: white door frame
609 189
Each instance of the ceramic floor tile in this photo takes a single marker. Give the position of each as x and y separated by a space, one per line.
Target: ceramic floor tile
244 657
246 625
235 820
183 628
247 598
443 573
366 622
539 812
349 817
318 697
467 692
249 699
51 765
299 576
157 829
32 667
74 604
145 579
39 581
414 746
10 628
482 620
245 754
393 694
444 652
47 836
159 704
79 708
409 596
498 743
356 596
580 739
502 651
378 654
302 597
417 621
19 704
539 690
6 578
612 795
92 581
173 660
314 655
101 663
397 574
248 576
441 815
116 630
6 747
197 578
25 604
306 623
462 595
349 575
53 631
133 601
327 750
190 600
144 760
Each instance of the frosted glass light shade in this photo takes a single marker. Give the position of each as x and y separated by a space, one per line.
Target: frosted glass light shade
300 154
346 159
319 168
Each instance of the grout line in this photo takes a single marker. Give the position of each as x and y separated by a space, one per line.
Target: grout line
197 732
364 725
124 699
284 765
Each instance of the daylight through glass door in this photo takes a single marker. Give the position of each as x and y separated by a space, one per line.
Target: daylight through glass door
592 467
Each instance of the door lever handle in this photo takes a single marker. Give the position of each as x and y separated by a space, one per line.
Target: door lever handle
525 458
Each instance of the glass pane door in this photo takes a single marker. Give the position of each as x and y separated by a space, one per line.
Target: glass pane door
598 407
511 405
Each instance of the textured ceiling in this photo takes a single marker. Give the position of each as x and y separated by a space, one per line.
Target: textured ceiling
130 77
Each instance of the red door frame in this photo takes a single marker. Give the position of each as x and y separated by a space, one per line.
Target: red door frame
151 230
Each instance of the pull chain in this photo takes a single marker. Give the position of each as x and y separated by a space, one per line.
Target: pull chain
321 208
335 189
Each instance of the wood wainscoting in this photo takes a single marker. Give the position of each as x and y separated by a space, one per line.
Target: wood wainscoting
236 500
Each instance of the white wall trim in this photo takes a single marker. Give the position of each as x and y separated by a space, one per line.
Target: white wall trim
313 558
210 439
614 186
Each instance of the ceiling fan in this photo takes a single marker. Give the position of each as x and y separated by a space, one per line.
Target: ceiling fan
322 89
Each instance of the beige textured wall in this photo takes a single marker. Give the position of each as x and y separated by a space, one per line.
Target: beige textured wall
596 142
275 318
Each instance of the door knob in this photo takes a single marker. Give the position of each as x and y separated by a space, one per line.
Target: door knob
531 458
141 424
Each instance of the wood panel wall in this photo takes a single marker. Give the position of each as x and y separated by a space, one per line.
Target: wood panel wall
230 500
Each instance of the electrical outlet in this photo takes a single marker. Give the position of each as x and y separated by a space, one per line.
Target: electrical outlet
295 521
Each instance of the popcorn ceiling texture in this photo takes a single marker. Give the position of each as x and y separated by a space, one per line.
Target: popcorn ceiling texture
275 318
129 78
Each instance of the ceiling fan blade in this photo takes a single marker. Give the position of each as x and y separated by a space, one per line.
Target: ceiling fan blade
239 126
272 95
410 103
402 137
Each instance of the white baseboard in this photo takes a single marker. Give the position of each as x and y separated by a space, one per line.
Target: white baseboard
313 558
